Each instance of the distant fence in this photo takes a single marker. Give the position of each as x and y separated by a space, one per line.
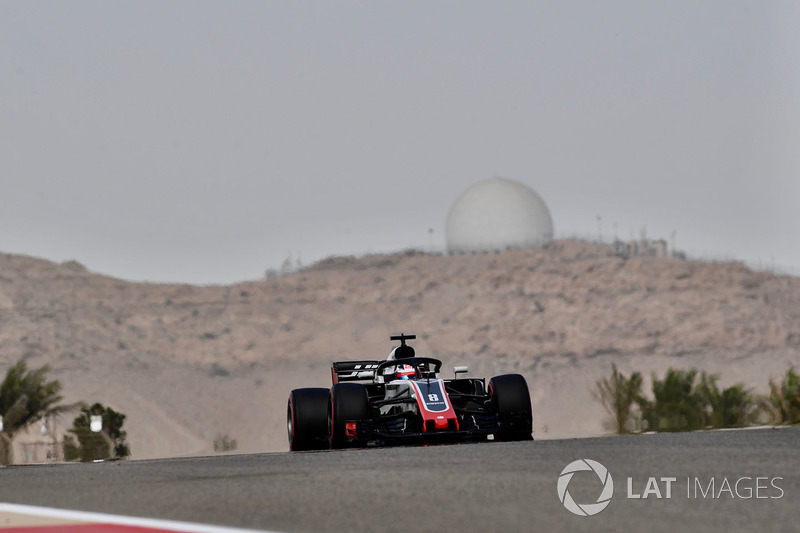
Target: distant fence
39 452
292 265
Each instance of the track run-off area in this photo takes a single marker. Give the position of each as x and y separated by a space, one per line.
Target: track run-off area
700 481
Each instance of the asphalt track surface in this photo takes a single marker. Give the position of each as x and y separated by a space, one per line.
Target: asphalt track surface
465 488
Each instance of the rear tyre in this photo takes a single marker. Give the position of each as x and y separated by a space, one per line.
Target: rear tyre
348 402
307 419
511 401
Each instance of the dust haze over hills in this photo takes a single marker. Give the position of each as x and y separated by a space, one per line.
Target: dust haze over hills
188 364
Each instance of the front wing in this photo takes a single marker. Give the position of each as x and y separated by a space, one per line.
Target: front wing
408 428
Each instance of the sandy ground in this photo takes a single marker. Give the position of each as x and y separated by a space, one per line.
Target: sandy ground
189 364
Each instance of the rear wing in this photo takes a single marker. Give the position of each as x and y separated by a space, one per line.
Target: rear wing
353 370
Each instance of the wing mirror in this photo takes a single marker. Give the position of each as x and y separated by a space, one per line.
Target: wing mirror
460 370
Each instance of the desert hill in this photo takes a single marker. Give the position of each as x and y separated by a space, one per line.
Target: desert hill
189 364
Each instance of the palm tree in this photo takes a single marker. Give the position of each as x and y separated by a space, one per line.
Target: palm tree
617 395
731 407
25 396
783 402
677 405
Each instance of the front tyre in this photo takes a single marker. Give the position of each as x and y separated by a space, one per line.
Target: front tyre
348 402
307 419
511 402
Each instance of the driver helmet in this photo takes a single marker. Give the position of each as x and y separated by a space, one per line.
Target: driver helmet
405 371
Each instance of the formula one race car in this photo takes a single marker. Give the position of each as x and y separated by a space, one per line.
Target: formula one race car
403 399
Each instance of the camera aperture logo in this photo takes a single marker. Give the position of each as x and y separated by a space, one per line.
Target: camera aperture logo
585 509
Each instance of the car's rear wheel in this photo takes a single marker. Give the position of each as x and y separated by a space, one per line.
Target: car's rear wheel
348 402
511 401
307 419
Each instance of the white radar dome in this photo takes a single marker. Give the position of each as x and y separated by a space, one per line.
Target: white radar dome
498 214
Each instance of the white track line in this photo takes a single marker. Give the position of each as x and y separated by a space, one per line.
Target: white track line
82 516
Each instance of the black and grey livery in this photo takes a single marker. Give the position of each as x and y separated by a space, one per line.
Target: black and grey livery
403 399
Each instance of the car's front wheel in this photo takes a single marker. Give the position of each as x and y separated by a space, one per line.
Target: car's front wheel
511 401
307 419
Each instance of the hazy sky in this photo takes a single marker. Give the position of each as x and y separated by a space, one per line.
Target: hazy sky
205 142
